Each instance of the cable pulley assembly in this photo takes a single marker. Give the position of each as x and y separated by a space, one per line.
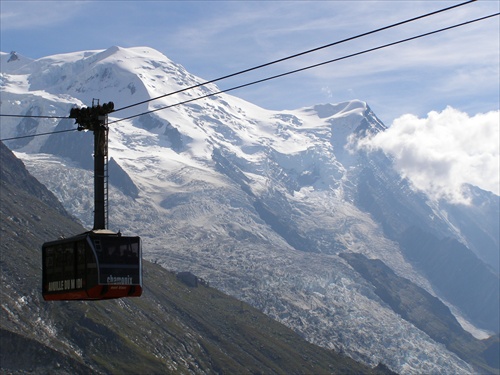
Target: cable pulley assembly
91 118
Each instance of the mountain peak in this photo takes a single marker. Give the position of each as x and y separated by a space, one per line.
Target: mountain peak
13 57
104 54
147 54
330 110
13 61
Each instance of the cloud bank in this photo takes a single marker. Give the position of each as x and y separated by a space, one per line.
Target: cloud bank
443 151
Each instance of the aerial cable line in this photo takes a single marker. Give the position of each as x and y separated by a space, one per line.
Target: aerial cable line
282 74
271 62
36 135
310 67
298 54
32 116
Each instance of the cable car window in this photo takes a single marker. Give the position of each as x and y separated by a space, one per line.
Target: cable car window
91 267
57 269
80 259
68 262
131 253
119 261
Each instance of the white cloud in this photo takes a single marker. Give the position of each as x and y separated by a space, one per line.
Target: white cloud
19 15
440 153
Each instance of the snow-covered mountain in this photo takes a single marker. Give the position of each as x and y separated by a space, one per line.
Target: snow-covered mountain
261 203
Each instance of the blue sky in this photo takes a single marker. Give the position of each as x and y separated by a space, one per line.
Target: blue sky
459 68
439 95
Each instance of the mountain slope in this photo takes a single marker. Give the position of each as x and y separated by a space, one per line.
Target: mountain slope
430 245
424 311
259 203
172 328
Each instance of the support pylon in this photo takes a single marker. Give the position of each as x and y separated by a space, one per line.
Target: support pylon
95 119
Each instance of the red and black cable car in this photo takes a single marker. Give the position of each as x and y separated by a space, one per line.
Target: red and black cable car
98 264
94 265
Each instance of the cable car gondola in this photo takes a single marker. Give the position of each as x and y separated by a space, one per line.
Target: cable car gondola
99 264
